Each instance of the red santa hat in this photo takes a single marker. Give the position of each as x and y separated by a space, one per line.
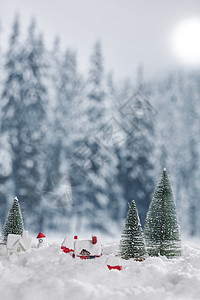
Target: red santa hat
41 235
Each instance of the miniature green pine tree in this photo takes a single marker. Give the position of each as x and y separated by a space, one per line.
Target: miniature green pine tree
14 222
132 242
161 227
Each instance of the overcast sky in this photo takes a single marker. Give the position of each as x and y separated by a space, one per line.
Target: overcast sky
131 31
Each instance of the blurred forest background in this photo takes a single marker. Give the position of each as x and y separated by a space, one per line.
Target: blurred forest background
77 148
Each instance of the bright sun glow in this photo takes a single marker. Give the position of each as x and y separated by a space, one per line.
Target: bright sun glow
186 41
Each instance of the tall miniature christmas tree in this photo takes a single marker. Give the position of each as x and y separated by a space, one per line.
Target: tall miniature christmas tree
132 243
161 227
14 222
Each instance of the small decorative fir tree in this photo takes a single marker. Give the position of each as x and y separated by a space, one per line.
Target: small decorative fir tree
161 227
132 243
14 222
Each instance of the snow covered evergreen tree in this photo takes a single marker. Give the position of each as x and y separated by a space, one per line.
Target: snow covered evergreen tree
93 165
88 159
14 221
11 107
24 99
161 227
135 157
132 244
95 83
63 112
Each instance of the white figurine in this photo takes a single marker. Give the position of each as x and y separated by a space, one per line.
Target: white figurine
41 241
18 243
114 262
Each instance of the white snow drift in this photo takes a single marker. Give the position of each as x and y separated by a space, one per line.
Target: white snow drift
49 273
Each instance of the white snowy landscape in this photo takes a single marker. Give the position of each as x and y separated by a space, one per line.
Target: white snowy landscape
52 274
99 139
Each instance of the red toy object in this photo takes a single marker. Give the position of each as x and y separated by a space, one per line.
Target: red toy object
41 235
114 267
94 240
66 250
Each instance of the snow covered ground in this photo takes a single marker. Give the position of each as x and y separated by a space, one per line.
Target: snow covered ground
51 274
